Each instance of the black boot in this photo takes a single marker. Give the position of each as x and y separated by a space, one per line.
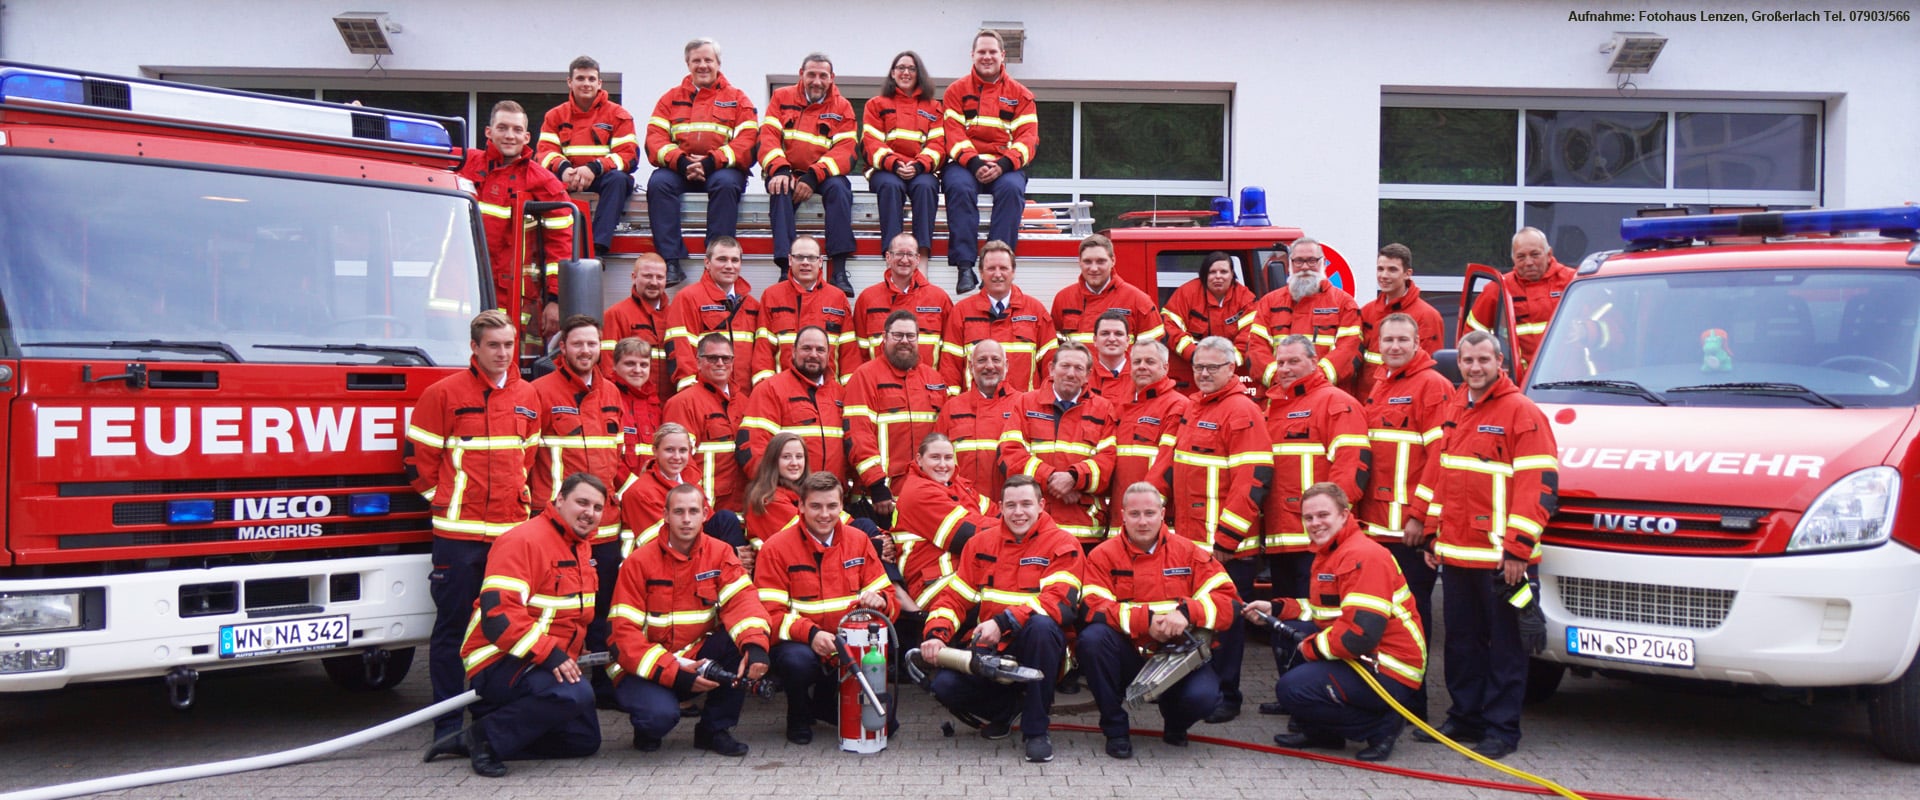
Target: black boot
480 754
674 275
837 274
968 280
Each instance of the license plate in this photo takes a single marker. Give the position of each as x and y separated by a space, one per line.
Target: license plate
1640 648
284 636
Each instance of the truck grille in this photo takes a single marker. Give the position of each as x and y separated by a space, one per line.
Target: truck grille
1645 603
1697 529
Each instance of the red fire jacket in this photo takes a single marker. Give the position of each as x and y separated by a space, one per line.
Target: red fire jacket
1192 314
785 308
536 599
974 422
639 418
643 503
1143 437
712 416
990 120
807 586
1076 308
1115 384
895 128
1009 580
634 317
1533 307
1220 472
502 189
579 432
1432 327
932 526
599 137
1492 482
811 141
1404 415
789 403
1319 434
929 304
1043 438
783 509
667 604
888 412
1329 316
701 309
717 124
1024 330
1125 587
1362 606
468 450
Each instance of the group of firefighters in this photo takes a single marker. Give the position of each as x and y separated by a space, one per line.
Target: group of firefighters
716 480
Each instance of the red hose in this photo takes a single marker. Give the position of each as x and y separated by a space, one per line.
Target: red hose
1436 777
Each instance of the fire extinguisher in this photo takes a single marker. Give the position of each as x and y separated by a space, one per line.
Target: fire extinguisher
867 702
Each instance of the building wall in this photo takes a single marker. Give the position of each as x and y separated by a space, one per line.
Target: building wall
1306 77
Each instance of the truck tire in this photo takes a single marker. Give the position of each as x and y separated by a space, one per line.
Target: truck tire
1893 716
1543 679
350 672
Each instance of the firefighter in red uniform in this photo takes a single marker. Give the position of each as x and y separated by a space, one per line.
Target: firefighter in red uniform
1359 609
903 287
905 141
940 510
1393 269
804 400
797 302
806 148
589 143
1484 496
642 314
1209 305
528 626
1536 284
974 418
1063 436
1319 433
1148 421
1001 312
1216 480
469 444
810 575
701 136
1111 375
712 412
1404 415
683 602
892 403
722 302
580 432
992 132
639 397
504 181
643 499
1017 578
1311 306
1076 307
1143 588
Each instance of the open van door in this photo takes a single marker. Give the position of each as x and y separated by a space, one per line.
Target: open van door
1484 305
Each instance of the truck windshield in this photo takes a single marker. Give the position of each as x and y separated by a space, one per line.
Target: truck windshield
1785 337
108 260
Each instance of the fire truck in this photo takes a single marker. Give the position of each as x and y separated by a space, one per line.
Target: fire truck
1734 399
219 309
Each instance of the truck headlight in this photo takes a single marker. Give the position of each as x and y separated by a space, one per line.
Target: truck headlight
40 612
1856 511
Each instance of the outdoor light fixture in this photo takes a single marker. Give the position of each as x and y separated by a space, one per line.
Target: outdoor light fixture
1013 33
365 32
1633 53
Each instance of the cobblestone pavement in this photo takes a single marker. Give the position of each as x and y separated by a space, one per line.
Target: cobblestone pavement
1597 734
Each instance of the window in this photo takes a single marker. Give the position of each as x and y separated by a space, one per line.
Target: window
1459 175
1132 150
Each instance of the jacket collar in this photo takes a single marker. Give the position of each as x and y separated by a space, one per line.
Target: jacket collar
1166 386
1421 360
1313 381
1340 537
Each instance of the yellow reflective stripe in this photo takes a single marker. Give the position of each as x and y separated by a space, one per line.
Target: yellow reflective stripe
1490 555
573 150
746 625
507 583
560 601
700 127
699 617
1529 328
1536 462
472 527
628 613
933 590
826 606
1409 671
1096 590
423 436
1368 602
495 211
739 584
1469 464
521 648
550 137
479 655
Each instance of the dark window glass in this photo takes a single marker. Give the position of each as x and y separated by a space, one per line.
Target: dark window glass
1615 149
1107 208
1055 159
1447 234
1447 145
1575 230
1153 141
1745 151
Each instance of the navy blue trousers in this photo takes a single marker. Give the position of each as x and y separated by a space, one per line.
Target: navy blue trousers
665 187
1110 662
963 211
1040 644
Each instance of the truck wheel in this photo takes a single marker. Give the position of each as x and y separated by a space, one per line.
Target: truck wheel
350 672
1893 716
1543 679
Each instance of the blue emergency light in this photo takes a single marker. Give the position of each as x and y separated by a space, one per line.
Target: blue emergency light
1253 208
368 505
1897 221
189 512
38 86
1223 212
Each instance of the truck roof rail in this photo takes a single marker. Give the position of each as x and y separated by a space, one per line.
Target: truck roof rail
151 101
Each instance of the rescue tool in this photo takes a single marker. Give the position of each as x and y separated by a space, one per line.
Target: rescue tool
1173 661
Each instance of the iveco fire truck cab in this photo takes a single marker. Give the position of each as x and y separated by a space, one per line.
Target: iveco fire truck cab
1734 399
219 308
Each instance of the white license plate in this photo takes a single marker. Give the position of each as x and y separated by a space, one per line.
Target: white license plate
284 636
1640 648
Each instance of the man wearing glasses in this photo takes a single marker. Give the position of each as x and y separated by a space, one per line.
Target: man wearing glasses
1311 306
712 412
796 303
892 403
904 287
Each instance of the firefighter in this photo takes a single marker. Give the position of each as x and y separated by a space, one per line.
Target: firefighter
722 302
1484 496
1063 436
1311 306
905 141
974 418
1404 414
940 510
639 397
773 495
1148 421
589 143
1018 321
472 470
804 400
1144 588
505 180
642 314
580 432
1319 433
1111 376
712 412
810 575
684 602
1217 478
992 132
1393 270
1209 305
1359 609
1080 304
643 499
529 624
1535 283
1016 577
806 144
798 302
701 136
892 403
903 287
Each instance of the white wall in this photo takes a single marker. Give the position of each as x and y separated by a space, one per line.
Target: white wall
1307 76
